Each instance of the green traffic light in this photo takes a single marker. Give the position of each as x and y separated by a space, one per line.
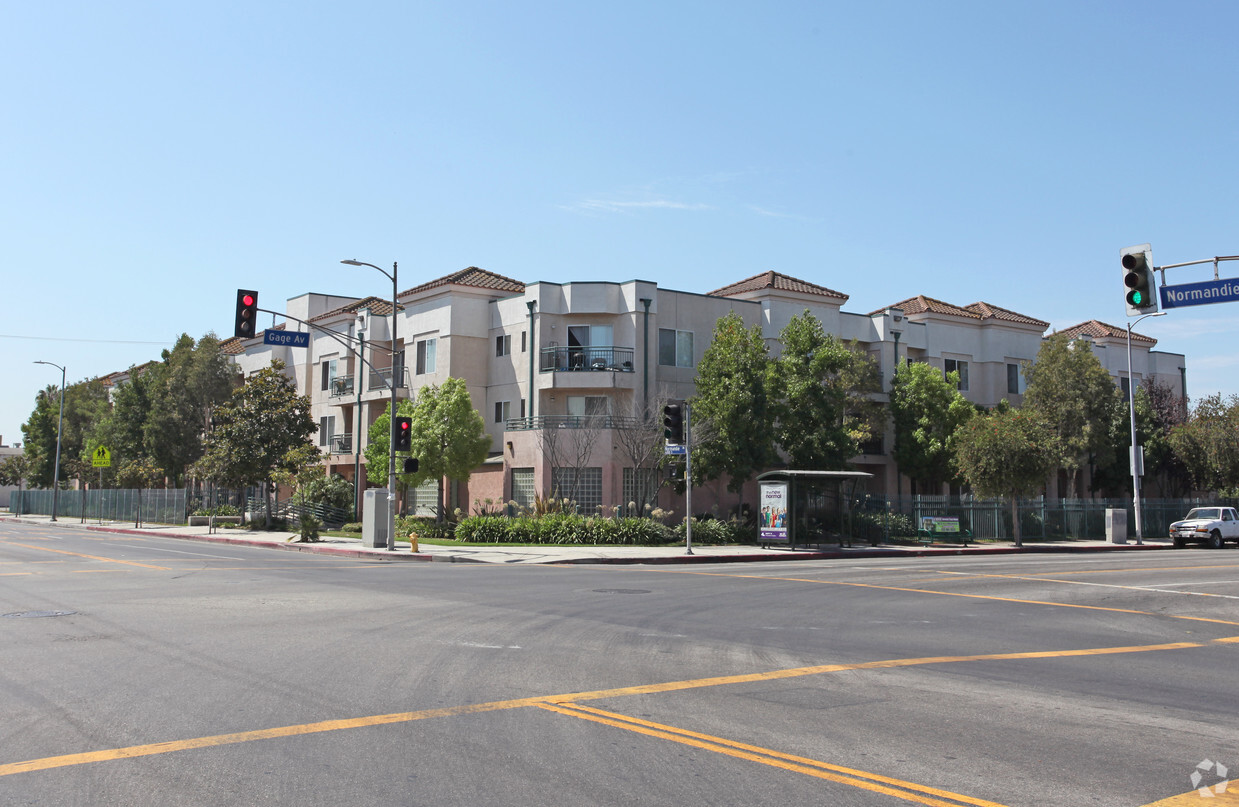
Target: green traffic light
1137 298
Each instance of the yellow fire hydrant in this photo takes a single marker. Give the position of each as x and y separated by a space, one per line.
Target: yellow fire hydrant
413 541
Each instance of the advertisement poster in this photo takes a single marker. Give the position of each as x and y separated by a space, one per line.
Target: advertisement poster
773 511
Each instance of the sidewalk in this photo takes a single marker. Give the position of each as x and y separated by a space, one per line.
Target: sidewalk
352 547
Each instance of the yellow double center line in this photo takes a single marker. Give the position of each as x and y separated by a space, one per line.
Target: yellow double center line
908 791
132 751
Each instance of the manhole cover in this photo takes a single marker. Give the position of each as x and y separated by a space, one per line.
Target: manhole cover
621 591
34 614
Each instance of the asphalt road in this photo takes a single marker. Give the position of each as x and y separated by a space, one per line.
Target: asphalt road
151 671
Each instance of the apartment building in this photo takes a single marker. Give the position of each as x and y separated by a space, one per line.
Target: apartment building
560 372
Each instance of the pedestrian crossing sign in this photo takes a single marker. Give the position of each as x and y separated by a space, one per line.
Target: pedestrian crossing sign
102 458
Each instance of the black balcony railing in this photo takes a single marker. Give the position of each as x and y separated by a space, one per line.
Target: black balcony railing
342 444
378 379
341 385
571 422
584 359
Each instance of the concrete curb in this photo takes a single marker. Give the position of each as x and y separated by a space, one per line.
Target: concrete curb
470 554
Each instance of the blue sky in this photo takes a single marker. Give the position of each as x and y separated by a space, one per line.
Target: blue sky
158 156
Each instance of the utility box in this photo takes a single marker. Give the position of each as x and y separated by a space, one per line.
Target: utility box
375 519
1116 526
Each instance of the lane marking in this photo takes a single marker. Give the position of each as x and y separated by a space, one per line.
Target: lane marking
990 597
93 557
132 751
908 791
1109 585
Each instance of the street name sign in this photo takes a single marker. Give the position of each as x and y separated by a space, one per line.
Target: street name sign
286 338
1210 291
674 450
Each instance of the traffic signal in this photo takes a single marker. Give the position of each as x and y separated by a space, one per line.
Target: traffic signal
1138 280
247 313
410 465
673 423
404 434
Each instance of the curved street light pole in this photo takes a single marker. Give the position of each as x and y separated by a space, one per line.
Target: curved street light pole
59 429
391 445
1131 405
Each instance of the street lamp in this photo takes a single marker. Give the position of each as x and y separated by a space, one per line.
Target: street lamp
1131 402
59 429
391 448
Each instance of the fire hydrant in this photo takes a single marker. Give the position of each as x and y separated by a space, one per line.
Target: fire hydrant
413 541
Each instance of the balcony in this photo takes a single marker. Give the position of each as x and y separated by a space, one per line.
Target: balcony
571 422
341 385
341 444
378 380
586 359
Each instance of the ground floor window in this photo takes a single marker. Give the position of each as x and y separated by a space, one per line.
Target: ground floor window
425 498
582 486
523 492
640 489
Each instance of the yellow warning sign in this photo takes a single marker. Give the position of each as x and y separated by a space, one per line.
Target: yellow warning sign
102 458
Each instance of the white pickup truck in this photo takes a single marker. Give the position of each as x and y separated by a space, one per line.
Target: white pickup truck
1211 526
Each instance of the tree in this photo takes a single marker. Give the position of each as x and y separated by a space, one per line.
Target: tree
927 409
378 450
137 473
192 380
1005 453
642 446
732 417
1208 443
14 470
449 435
255 430
1070 390
86 403
820 394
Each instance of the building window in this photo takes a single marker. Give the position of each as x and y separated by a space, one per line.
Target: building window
589 405
675 348
503 345
426 498
1013 379
1125 386
581 486
329 374
426 356
961 367
523 492
522 407
640 489
524 335
326 429
503 409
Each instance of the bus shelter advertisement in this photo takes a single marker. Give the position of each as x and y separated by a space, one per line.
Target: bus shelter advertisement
774 511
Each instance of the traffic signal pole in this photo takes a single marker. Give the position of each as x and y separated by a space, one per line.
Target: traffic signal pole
688 481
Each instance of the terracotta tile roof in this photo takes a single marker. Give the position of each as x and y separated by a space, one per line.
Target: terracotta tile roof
781 282
1100 330
472 276
233 346
987 310
921 304
377 305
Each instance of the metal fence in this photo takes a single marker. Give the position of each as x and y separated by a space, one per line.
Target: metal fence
1041 518
162 506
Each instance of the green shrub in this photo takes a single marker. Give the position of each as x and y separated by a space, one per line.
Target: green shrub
874 527
564 529
353 526
308 525
715 532
424 527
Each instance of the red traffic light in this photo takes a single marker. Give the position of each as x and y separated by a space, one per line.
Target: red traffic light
247 313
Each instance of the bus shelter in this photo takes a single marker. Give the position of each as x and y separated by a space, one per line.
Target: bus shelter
807 508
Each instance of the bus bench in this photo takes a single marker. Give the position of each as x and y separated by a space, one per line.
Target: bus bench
942 528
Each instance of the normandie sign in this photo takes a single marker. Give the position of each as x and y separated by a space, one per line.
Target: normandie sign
1211 291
